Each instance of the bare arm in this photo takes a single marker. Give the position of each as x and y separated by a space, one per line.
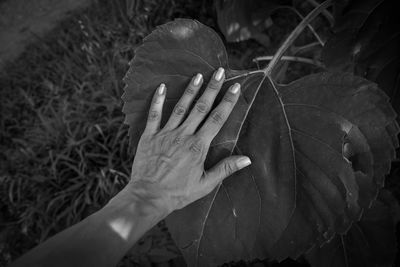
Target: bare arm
101 239
167 174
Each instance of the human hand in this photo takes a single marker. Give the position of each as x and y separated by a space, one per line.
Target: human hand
169 162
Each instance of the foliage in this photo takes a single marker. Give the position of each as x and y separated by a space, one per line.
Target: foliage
369 242
72 78
240 21
321 147
366 42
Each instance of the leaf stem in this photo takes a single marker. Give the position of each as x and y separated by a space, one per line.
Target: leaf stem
304 48
243 75
293 58
293 35
308 25
326 13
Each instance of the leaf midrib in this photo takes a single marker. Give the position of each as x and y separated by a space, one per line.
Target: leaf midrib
290 139
266 76
233 147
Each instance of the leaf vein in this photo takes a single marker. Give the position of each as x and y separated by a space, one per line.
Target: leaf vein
320 168
290 136
258 193
232 208
346 260
202 59
319 141
317 107
219 185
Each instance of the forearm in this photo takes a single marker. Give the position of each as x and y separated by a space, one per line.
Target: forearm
101 239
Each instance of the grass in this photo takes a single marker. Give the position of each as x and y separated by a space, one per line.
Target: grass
63 145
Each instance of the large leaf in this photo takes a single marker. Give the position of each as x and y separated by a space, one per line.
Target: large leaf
366 42
239 20
370 242
320 148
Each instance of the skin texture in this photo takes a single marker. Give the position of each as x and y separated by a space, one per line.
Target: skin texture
167 174
179 151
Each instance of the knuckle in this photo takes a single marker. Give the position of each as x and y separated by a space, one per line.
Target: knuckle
229 99
214 85
196 146
177 140
202 107
153 115
190 90
217 118
229 168
156 100
179 110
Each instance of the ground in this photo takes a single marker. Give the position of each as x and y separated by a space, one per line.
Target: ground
62 141
23 21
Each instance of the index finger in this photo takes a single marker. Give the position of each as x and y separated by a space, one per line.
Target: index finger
220 114
155 112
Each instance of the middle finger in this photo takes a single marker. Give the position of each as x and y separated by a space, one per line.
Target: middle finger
184 103
203 105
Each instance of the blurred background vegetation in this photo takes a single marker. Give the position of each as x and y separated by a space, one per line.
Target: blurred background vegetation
63 145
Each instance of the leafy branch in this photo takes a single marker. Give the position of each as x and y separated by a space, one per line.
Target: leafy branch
319 39
286 44
294 34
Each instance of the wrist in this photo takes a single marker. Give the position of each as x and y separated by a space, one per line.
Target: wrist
129 214
143 195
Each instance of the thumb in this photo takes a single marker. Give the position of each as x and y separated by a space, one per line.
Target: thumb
226 167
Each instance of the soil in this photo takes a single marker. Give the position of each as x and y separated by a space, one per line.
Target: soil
24 21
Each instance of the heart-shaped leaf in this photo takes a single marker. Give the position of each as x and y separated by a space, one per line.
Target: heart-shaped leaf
366 42
320 148
369 242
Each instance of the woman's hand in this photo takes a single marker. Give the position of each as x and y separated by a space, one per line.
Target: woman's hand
169 162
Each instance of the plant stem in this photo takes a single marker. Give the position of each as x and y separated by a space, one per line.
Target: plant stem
304 48
308 25
326 13
293 58
243 75
294 34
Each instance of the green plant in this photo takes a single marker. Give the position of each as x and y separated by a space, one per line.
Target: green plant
321 147
365 42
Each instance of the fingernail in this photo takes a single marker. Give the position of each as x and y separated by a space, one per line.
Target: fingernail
243 162
197 79
219 74
161 89
235 88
